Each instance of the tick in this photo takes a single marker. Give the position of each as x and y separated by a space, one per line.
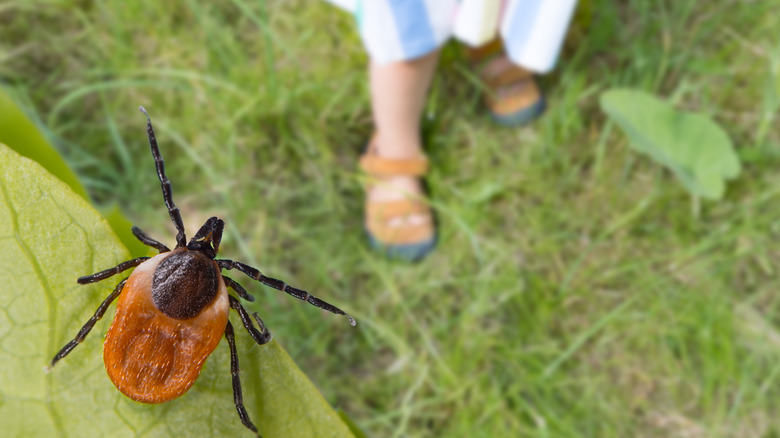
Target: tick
173 310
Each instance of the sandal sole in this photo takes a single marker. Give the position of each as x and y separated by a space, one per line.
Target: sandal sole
410 252
521 117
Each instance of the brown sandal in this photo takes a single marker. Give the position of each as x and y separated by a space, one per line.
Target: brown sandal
407 241
512 96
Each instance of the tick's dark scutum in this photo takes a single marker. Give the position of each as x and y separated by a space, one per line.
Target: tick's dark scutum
184 283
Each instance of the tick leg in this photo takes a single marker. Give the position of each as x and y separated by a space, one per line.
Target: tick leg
238 399
173 211
282 286
229 282
148 241
102 275
263 336
91 323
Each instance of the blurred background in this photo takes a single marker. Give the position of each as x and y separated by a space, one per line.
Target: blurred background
574 291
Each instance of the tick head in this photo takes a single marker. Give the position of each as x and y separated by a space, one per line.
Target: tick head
207 239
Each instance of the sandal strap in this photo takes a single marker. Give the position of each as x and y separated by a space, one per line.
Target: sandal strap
402 235
525 97
384 211
379 213
378 166
486 51
508 76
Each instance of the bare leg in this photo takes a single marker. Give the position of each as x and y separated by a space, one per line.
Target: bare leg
398 94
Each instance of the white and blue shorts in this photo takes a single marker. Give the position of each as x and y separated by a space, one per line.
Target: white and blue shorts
399 30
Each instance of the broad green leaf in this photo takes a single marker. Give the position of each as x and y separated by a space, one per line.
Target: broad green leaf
21 135
691 145
50 236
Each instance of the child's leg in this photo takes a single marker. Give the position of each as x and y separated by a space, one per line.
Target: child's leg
398 94
398 221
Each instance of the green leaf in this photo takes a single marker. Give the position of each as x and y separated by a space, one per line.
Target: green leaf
21 135
691 145
51 236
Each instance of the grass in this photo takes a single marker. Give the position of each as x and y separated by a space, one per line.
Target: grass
573 293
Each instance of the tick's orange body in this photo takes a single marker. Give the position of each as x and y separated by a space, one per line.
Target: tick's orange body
151 357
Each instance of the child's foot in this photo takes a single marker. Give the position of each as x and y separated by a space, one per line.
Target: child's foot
398 220
512 96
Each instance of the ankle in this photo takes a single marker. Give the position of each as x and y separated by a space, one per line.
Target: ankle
398 147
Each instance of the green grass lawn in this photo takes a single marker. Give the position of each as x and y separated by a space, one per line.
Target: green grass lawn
574 291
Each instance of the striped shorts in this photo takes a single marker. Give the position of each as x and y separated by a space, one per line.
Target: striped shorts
399 30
